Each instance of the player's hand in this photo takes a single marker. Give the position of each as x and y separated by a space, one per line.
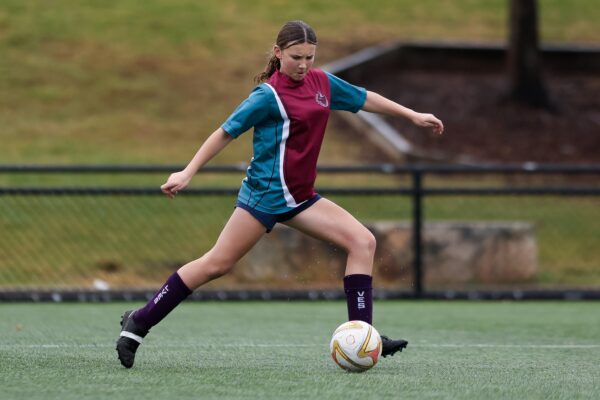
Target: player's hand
429 121
176 182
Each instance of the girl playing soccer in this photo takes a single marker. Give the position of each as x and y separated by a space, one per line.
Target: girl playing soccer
289 110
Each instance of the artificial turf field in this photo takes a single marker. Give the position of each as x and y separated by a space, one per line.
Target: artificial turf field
279 350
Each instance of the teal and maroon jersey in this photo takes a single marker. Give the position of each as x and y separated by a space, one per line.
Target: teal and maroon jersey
289 119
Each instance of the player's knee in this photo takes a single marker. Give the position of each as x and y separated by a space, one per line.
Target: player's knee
364 242
218 270
370 242
218 266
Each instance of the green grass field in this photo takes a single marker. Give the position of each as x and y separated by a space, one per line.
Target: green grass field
279 350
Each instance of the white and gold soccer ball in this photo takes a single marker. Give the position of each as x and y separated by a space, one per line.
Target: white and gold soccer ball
355 346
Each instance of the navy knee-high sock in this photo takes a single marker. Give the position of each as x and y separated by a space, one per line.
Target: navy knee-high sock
173 292
359 297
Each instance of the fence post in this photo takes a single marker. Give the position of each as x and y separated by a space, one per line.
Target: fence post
417 232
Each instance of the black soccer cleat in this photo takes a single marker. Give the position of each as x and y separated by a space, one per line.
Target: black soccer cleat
129 340
389 346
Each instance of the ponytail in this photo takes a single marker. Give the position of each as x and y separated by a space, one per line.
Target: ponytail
273 65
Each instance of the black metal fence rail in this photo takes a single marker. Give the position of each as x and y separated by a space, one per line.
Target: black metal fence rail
417 190
99 296
384 168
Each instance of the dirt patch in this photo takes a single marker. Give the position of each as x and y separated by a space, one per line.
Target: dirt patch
481 126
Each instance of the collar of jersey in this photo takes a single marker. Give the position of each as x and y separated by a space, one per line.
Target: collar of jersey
288 81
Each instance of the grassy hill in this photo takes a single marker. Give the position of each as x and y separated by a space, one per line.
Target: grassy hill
133 81
130 81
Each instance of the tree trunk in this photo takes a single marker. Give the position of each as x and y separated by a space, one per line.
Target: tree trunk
524 60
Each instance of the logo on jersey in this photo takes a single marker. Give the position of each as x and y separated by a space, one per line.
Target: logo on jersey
321 99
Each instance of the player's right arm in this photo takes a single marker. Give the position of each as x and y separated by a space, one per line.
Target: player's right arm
210 148
250 112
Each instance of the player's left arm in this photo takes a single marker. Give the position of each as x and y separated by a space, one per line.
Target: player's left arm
376 103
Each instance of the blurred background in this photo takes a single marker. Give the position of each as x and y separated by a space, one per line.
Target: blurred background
131 83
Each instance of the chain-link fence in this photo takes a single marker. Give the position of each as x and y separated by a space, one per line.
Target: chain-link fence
475 229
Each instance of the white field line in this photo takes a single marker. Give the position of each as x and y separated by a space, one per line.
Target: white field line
265 345
510 346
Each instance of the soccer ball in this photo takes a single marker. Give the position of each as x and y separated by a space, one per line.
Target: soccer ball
355 346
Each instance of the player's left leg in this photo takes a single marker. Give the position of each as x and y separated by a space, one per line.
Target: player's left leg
327 221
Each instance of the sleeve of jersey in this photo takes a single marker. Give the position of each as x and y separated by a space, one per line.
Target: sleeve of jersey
249 113
345 96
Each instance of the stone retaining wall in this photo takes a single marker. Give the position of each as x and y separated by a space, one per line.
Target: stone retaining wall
454 253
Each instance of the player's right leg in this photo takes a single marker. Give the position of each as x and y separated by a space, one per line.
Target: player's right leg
239 235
